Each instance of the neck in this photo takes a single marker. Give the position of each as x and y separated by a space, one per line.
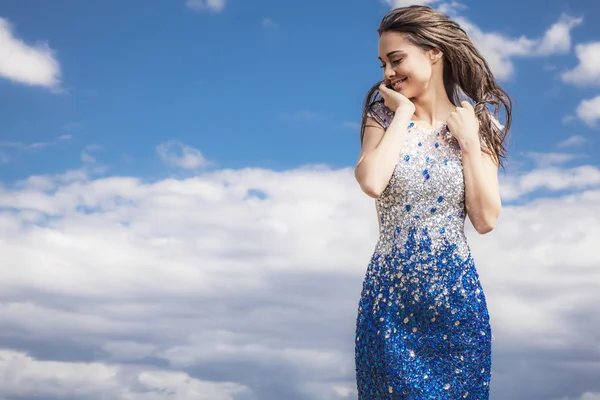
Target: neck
433 106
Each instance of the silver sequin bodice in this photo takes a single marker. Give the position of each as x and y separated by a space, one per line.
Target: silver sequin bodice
425 191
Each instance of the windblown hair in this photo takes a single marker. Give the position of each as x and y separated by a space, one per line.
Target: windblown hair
466 72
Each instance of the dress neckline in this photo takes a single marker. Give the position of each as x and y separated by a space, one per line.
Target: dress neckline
413 125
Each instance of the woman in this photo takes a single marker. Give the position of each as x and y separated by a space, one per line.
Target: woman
429 159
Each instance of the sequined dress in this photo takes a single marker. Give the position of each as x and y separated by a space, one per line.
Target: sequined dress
422 330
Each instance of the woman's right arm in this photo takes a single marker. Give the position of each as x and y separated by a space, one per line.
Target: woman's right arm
380 151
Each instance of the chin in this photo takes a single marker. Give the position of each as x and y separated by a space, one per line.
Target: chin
406 93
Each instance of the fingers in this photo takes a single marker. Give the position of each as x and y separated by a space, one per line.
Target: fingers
467 105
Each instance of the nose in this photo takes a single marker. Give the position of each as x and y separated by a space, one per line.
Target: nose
389 72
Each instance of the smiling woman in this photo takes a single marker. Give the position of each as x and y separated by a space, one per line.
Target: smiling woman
423 329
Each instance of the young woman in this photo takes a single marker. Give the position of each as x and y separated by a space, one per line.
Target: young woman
430 158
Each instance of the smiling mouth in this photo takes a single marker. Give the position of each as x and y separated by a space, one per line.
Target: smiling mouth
395 84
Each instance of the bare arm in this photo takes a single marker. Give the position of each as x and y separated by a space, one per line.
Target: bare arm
482 192
379 153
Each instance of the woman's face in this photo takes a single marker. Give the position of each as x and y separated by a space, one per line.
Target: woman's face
406 67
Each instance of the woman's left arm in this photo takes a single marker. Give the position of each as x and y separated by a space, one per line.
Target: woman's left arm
482 192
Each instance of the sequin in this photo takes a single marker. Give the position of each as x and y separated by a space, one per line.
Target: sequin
422 329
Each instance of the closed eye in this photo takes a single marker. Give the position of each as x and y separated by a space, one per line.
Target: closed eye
394 62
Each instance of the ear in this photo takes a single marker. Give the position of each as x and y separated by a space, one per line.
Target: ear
435 55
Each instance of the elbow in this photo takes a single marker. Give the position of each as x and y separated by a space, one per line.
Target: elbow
371 190
482 229
367 185
488 223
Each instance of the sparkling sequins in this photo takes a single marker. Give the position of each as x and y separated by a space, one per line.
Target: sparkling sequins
422 329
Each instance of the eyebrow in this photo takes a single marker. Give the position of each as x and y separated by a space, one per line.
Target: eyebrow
388 55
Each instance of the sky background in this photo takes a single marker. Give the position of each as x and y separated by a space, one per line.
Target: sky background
179 218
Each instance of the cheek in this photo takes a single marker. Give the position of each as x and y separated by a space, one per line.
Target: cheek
416 71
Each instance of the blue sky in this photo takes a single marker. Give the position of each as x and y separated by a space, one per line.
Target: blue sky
266 84
179 219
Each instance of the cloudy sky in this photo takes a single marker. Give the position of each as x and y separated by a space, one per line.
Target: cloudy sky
179 219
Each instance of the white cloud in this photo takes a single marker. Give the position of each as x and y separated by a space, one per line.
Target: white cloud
35 145
584 396
253 276
201 5
589 111
549 178
499 49
351 125
268 23
550 159
588 71
177 154
87 158
573 141
405 3
302 115
26 64
86 154
445 7
101 381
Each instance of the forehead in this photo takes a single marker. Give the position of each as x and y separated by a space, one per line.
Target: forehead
393 41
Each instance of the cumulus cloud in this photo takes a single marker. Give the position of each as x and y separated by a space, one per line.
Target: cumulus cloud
552 159
588 111
573 141
203 5
584 396
406 3
92 380
549 178
446 7
177 154
500 50
587 72
10 148
301 115
244 285
27 64
268 23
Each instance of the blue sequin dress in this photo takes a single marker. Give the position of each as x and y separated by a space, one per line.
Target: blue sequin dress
423 329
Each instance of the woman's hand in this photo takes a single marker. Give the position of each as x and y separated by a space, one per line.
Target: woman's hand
396 101
463 123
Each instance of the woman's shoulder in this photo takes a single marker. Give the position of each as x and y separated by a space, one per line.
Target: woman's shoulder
380 113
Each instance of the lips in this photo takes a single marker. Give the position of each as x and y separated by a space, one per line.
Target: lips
397 82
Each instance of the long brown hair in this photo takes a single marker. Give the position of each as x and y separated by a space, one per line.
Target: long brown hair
466 72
